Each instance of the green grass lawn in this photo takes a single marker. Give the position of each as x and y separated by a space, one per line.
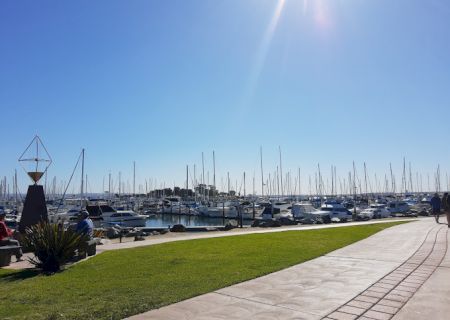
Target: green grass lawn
120 283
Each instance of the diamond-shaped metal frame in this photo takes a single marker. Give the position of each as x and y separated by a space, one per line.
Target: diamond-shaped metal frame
36 175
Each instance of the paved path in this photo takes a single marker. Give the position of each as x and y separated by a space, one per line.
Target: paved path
392 274
432 300
386 297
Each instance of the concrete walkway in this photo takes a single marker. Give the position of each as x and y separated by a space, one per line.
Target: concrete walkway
399 273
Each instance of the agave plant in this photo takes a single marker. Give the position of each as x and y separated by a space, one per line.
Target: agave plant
52 245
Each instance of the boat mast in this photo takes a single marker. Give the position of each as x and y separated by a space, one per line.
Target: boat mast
365 178
315 181
134 178
109 185
332 181
392 179
446 181
254 184
82 179
120 183
386 184
411 187
244 184
15 187
278 184
377 185
421 183
336 179
281 173
203 176
195 183
404 186
417 183
187 180
214 170
262 172
319 183
438 179
354 187
309 183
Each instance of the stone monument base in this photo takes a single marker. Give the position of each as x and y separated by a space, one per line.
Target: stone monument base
34 208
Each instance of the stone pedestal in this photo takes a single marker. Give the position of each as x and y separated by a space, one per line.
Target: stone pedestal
34 208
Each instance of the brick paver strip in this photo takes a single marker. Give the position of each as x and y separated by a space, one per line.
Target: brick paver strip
373 294
380 289
359 304
385 309
352 310
408 289
387 296
342 316
390 303
388 281
414 285
378 315
398 298
383 285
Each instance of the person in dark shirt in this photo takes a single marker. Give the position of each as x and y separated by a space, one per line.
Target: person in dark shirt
436 206
446 207
6 237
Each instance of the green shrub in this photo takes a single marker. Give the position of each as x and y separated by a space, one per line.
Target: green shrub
52 245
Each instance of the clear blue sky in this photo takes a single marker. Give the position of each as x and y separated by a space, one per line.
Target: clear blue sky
158 82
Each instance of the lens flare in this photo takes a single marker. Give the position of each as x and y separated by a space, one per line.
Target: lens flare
321 15
263 50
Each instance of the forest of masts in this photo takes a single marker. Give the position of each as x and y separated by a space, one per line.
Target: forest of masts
275 183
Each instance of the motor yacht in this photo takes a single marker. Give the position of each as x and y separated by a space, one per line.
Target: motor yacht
104 216
282 210
375 211
251 210
173 205
397 207
331 211
300 210
227 209
68 215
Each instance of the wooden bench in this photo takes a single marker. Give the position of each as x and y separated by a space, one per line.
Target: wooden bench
5 254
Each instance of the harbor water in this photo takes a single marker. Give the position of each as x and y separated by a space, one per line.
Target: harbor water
165 220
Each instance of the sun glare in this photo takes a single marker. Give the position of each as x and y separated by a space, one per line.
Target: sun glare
263 50
321 15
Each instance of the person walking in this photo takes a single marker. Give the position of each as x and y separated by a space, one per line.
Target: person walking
436 206
446 207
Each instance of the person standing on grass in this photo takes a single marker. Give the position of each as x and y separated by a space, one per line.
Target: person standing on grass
6 237
436 206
